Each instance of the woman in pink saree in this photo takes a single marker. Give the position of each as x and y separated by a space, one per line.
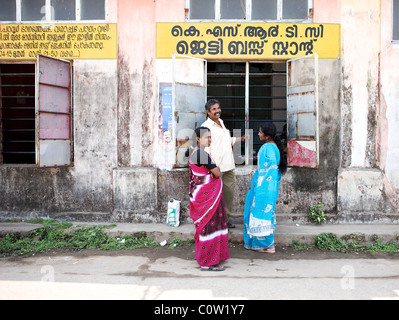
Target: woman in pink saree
207 206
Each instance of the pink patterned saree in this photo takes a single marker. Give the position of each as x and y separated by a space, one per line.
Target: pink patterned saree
208 212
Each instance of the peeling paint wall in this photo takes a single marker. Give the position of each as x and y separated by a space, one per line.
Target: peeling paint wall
360 30
116 114
370 92
305 187
87 186
95 135
356 127
300 187
137 76
136 51
388 109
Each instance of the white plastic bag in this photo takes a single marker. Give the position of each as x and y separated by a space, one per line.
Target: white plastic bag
173 218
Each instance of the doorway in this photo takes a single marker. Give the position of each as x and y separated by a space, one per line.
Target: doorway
250 94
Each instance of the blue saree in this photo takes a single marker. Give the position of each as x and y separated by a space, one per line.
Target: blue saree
260 202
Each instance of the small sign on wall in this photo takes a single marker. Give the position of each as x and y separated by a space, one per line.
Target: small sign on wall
165 123
69 41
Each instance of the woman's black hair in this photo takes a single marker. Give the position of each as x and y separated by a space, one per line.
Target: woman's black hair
269 129
198 133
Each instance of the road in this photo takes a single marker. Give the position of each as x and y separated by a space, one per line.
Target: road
165 274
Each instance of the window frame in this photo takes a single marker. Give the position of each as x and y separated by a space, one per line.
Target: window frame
303 100
2 164
394 41
249 143
249 14
47 18
43 107
183 112
38 113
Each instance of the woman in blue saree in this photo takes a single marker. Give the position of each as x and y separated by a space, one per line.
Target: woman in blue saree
260 202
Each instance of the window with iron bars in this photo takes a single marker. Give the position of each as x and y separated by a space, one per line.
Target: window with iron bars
52 10
17 113
249 10
395 22
250 94
36 113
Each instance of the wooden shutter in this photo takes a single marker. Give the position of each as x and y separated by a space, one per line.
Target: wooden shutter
189 99
53 112
303 112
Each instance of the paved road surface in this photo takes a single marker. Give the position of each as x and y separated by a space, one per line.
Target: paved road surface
173 274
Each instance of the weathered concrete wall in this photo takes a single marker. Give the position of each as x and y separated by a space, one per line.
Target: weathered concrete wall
173 184
360 190
388 111
136 76
300 188
87 186
304 187
136 50
370 119
119 167
135 195
137 119
95 130
113 128
356 130
360 31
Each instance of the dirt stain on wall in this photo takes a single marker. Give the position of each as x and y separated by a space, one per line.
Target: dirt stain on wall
124 89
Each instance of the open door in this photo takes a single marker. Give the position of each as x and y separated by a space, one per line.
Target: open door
303 112
189 98
53 112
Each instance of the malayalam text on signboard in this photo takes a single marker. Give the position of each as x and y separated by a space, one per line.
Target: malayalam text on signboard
66 41
248 40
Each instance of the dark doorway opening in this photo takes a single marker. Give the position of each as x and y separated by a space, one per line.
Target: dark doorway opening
17 113
250 95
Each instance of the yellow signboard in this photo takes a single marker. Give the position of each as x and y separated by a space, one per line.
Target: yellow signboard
248 40
64 41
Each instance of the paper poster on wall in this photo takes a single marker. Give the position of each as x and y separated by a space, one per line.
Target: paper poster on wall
165 125
167 116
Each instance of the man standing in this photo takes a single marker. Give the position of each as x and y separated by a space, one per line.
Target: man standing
222 152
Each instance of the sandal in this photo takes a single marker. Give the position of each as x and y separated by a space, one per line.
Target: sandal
213 268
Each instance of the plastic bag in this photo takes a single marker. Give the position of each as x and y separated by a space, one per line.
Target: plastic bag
173 218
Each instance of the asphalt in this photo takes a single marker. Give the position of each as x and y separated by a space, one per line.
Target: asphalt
285 233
